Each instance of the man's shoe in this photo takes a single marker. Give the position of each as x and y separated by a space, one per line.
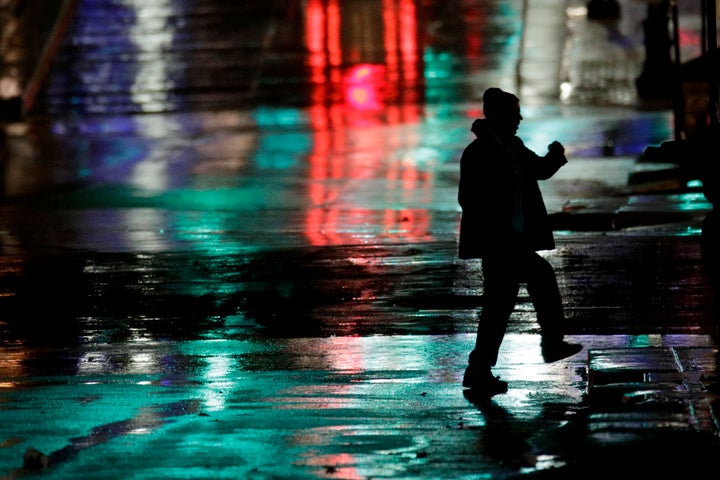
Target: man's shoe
552 352
485 383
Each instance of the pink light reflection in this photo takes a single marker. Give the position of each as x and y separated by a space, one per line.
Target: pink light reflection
364 86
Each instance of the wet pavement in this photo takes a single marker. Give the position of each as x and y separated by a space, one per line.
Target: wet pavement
249 270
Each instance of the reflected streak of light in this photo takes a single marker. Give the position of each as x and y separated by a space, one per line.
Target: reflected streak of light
205 230
338 464
217 382
408 39
151 174
132 358
401 49
566 90
346 354
333 36
475 42
92 362
325 223
162 126
390 39
95 362
142 227
352 355
333 226
694 201
315 27
364 86
151 76
142 361
10 84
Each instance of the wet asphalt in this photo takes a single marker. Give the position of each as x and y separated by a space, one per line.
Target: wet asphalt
211 279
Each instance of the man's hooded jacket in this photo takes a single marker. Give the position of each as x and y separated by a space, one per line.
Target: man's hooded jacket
502 206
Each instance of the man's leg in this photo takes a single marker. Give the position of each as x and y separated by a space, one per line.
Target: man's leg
545 295
500 290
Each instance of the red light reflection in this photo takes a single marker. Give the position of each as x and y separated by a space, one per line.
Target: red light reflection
350 94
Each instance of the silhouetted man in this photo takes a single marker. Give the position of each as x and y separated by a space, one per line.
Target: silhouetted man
504 223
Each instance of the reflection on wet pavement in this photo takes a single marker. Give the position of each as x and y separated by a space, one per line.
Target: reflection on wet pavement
229 250
378 405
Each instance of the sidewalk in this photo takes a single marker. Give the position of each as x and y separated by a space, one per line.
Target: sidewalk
652 413
657 195
649 395
356 374
651 410
271 300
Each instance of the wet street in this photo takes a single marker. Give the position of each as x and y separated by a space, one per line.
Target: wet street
228 244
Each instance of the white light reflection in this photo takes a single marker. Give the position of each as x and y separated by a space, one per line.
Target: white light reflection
137 355
146 228
566 90
152 81
351 354
151 174
520 360
142 362
217 382
139 431
93 362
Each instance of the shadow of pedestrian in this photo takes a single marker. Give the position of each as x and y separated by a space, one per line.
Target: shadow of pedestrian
504 438
548 447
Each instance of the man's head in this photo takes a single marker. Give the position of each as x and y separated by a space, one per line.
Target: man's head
502 110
